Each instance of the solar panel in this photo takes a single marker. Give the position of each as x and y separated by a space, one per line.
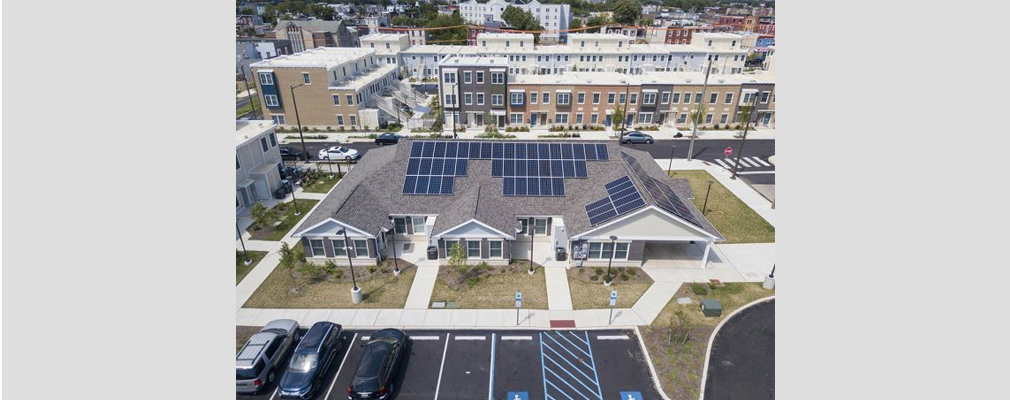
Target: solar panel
509 186
509 167
590 151
429 149
415 149
409 184
460 167
464 150
663 195
622 198
475 150
497 150
580 169
520 168
447 183
531 151
555 151
437 164
425 168
559 186
566 151
569 168
450 149
510 151
520 186
544 150
520 151
449 169
422 185
557 169
485 150
413 165
545 187
435 185
496 168
579 151
533 187
601 152
440 149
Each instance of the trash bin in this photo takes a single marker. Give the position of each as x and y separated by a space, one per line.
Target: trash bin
560 254
711 307
432 253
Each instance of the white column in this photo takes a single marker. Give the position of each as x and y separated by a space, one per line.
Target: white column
704 257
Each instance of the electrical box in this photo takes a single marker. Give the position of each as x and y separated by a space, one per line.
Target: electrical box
711 307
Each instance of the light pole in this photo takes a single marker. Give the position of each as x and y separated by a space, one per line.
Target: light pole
673 149
355 290
624 119
749 115
613 249
701 103
248 92
299 120
294 201
245 253
396 264
704 208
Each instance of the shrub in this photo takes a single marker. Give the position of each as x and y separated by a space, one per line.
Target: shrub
287 256
371 269
597 270
384 270
632 272
582 271
330 267
699 289
340 128
339 274
624 276
594 278
471 282
309 269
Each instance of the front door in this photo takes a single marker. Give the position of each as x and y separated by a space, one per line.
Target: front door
768 119
533 120
609 120
479 119
501 121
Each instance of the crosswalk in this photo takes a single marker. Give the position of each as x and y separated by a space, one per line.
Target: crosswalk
745 162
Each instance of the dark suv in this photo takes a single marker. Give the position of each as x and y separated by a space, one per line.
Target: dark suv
311 360
373 379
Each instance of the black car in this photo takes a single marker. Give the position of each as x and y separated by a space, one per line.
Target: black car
388 138
290 153
373 379
311 360
636 137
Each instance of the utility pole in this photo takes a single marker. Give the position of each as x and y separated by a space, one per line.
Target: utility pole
746 126
701 104
624 119
248 92
299 121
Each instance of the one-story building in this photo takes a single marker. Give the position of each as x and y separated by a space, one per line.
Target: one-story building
594 200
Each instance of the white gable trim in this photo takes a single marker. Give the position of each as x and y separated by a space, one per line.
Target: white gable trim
321 223
651 207
447 231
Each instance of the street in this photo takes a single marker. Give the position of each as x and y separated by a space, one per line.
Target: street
742 363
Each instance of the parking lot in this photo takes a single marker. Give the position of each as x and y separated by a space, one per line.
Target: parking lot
534 365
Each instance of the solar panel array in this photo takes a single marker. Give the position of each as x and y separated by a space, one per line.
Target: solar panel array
662 193
528 169
622 198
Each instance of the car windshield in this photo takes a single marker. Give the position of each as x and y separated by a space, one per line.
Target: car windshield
302 362
340 149
372 360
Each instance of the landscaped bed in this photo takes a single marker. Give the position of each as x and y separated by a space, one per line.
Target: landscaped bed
241 270
589 292
285 213
731 216
486 287
322 183
302 285
678 361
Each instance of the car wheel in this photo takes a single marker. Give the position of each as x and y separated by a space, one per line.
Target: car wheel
648 141
348 158
270 378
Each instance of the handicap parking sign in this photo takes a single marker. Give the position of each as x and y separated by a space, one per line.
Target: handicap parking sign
631 395
518 396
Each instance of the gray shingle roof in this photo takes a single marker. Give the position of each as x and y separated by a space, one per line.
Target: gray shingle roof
373 190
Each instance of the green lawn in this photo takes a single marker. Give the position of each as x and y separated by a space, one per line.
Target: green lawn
241 270
324 183
594 294
734 219
248 107
496 291
381 292
275 233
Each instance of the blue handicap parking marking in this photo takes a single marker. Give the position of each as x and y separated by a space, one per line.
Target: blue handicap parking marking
631 396
518 396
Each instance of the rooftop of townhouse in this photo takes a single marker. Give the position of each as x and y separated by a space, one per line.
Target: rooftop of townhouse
250 129
647 78
320 57
364 78
383 37
504 35
655 48
457 61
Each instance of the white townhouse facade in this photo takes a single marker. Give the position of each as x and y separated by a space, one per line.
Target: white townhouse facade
256 158
553 17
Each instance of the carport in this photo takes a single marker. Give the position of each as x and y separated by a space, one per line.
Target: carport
676 254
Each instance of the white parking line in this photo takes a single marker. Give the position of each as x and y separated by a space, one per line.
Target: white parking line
613 337
517 338
470 338
425 337
275 393
365 338
442 366
347 351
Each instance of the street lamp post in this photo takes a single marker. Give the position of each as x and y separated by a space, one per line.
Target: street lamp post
769 282
294 201
704 87
624 119
613 249
245 253
355 290
248 92
704 208
396 264
673 149
299 121
746 127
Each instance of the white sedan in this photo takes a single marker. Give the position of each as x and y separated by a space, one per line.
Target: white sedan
339 153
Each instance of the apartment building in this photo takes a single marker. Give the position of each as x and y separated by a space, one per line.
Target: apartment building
387 46
333 85
552 17
472 91
256 160
417 36
310 34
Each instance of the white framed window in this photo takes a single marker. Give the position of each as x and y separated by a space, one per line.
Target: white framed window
316 245
561 118
467 76
764 97
621 98
495 246
306 79
634 98
480 98
338 248
723 118
449 78
594 118
676 98
687 98
578 118
468 98
697 97
450 100
713 98
472 249
273 140
525 224
682 119
610 98
665 99
603 250
596 97
564 99
648 98
350 100
533 97
546 98
360 249
516 98
271 100
708 118
266 78
497 78
354 120
729 98
340 120
540 227
516 118
278 119
645 118
400 225
497 99
263 144
418 222
581 99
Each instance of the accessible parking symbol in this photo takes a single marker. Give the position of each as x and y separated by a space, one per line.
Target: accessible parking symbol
518 396
631 396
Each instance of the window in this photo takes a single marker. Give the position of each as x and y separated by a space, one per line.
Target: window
533 98
729 98
610 98
340 120
472 249
708 118
400 225
338 248
497 99
634 98
480 98
516 118
317 247
578 118
596 98
354 120
418 222
360 249
278 119
564 99
687 98
273 140
697 97
450 99
497 78
237 165
582 98
714 98
747 97
449 78
723 118
305 78
603 250
546 98
645 118
266 78
764 97
540 226
517 98
524 225
271 100
594 118
648 98
495 246
666 98
467 76
561 118
350 100
682 119
468 98
480 76
622 98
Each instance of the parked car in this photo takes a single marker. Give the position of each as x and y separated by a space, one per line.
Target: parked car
636 137
373 378
290 153
339 153
311 361
388 138
258 362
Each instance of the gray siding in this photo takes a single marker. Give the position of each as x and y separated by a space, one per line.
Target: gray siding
636 250
328 247
371 248
485 249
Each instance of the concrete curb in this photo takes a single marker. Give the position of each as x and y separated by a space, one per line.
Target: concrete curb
652 368
708 351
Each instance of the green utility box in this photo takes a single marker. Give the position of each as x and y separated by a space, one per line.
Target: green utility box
711 307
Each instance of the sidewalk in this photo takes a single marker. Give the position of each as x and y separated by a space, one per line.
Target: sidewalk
664 133
740 189
368 318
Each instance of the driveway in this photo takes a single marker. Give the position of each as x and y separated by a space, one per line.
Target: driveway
742 363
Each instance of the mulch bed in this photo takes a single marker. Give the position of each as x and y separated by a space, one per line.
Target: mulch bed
465 277
621 274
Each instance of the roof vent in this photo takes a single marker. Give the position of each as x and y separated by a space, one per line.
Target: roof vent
722 81
688 80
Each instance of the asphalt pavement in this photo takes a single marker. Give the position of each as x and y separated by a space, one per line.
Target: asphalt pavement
479 364
742 364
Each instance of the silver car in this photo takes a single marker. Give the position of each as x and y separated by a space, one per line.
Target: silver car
260 359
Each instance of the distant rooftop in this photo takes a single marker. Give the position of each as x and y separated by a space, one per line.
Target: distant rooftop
647 78
504 35
319 57
383 36
249 129
474 61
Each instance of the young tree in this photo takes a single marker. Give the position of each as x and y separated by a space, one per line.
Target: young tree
457 257
522 20
618 118
287 256
576 23
262 215
696 118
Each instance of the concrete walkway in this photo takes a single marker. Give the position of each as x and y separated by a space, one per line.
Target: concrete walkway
366 318
424 284
559 296
740 189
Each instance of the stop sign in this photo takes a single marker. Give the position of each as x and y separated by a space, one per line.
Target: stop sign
728 151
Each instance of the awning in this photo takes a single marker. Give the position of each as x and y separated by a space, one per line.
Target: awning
497 112
246 182
563 91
